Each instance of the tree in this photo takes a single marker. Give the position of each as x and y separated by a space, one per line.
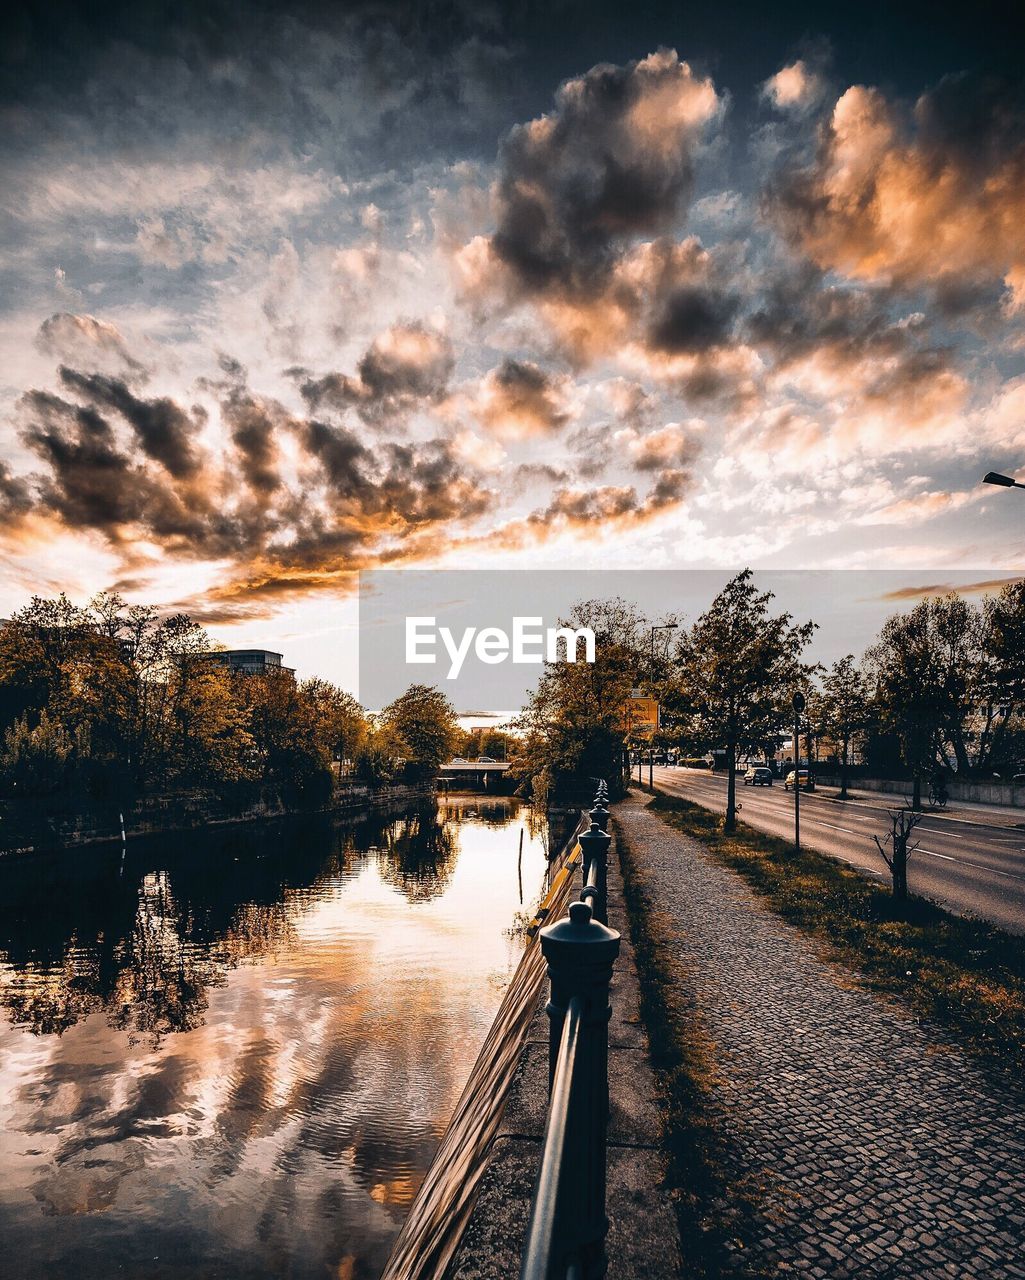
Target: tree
902 824
843 704
33 760
739 664
1000 731
38 647
339 722
577 721
482 741
421 724
926 667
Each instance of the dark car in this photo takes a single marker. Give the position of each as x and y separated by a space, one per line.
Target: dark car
758 776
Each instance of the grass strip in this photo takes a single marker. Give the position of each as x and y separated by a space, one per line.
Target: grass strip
961 973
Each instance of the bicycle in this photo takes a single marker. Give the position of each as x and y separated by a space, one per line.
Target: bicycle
938 797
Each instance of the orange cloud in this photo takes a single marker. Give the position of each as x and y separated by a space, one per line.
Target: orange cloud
519 399
933 200
794 87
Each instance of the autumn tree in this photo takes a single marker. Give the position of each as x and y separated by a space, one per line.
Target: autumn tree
576 722
295 730
339 722
421 726
740 664
843 706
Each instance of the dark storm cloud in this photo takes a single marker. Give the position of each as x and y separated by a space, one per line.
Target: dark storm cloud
800 313
614 159
865 335
127 468
339 453
15 496
406 367
165 432
693 319
255 426
91 482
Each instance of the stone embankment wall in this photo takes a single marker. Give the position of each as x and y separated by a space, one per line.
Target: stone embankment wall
973 792
29 828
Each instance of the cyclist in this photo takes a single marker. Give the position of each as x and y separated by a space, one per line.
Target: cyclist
938 788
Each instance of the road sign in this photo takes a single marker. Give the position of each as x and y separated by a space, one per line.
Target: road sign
640 715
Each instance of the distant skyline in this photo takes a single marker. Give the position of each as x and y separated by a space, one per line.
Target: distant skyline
534 286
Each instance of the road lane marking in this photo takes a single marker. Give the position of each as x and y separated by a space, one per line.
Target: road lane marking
879 805
946 857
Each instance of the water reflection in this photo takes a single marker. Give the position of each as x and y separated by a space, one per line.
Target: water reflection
237 1057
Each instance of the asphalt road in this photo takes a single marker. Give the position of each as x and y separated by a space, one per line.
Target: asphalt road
970 867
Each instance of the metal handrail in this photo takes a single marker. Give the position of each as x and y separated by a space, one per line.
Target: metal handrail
567 1228
538 1257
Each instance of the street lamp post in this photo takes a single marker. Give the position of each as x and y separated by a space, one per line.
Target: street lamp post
1004 482
665 626
797 702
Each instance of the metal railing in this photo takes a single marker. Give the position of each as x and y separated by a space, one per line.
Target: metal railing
567 1228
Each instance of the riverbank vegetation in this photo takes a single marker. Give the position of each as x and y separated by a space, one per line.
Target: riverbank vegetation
113 701
961 973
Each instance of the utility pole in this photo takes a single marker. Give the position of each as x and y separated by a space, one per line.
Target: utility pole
798 704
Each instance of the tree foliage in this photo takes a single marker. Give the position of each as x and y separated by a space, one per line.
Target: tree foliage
420 726
114 698
740 663
577 721
948 681
843 710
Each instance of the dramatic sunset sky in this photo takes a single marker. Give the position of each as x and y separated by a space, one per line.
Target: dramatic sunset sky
287 291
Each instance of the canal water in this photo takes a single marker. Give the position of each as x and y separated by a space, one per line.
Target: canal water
235 1055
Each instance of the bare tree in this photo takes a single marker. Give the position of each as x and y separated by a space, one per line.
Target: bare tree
902 824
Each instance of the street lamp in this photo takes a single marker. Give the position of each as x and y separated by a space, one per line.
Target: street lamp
798 703
1005 482
664 626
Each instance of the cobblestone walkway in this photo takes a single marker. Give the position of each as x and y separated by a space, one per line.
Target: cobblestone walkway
893 1153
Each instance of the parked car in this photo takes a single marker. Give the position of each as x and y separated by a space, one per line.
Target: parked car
800 778
758 776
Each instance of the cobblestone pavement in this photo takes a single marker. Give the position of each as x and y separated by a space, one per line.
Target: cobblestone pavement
893 1153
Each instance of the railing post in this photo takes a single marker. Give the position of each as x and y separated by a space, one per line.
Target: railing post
580 954
595 846
600 814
